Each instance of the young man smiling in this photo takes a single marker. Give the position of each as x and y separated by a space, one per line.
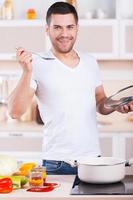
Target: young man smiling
68 89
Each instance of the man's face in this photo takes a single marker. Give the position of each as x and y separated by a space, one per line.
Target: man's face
62 32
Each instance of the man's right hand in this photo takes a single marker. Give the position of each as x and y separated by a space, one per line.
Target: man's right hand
25 59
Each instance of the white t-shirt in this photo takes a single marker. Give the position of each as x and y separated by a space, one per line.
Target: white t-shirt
66 99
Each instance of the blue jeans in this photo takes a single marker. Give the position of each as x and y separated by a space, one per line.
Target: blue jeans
59 167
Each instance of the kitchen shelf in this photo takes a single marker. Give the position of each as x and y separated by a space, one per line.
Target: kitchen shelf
21 23
41 23
94 6
114 9
105 38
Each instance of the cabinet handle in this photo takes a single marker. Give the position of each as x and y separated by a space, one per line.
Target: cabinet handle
15 134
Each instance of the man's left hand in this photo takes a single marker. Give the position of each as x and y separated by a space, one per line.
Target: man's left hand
125 108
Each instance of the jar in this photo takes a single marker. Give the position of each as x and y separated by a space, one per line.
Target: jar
73 3
31 14
37 176
7 10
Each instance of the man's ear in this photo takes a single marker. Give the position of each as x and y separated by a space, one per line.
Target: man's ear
46 29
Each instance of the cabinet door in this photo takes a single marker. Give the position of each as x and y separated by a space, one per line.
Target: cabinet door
99 37
24 146
126 39
106 144
129 152
31 38
17 141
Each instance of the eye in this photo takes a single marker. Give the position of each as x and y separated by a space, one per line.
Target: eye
70 27
57 27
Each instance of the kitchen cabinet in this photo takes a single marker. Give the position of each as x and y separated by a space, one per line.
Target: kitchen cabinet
27 145
24 142
110 141
99 37
24 145
105 35
129 150
106 144
118 144
21 33
126 39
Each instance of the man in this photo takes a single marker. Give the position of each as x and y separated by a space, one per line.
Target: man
68 89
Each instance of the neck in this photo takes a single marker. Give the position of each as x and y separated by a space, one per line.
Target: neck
61 56
70 59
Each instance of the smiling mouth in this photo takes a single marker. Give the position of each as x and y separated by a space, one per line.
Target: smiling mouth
64 39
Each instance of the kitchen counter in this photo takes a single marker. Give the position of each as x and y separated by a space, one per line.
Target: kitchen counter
115 122
60 193
16 125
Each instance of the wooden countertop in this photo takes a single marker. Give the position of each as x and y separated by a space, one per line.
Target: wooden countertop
60 193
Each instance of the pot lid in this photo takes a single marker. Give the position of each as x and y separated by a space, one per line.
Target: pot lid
102 161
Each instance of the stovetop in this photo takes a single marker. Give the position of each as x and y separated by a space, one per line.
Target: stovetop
124 187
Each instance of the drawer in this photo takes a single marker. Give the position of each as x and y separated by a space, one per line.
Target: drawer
16 143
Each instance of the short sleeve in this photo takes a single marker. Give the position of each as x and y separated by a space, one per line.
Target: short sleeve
98 80
33 84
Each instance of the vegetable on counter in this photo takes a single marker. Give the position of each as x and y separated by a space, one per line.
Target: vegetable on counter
17 181
6 185
25 168
8 165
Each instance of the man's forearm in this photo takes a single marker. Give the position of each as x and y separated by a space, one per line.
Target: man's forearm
21 96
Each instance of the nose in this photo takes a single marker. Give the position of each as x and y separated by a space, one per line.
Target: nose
64 32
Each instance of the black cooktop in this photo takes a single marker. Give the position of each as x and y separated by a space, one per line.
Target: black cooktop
124 187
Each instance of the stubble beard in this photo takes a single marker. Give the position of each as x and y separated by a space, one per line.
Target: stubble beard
61 49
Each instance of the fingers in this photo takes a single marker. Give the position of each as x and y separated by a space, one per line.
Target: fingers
125 108
130 106
23 56
122 109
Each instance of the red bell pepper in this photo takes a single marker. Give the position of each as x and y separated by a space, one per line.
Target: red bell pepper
6 185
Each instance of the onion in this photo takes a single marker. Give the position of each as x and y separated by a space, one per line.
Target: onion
8 165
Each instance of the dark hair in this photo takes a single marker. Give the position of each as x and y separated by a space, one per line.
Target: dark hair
61 8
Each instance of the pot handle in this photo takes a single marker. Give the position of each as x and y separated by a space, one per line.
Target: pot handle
129 162
73 163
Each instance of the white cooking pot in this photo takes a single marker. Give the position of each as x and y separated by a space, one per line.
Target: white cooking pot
101 170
